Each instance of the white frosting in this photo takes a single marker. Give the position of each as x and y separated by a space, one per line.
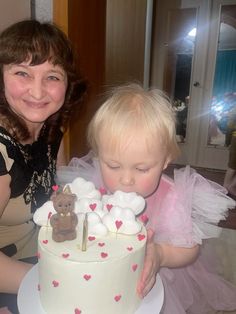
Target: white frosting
117 212
102 279
125 200
86 205
42 215
121 220
84 189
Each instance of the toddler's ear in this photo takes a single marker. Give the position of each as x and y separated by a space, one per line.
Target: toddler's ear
168 160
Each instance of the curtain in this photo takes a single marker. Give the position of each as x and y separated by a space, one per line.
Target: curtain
225 73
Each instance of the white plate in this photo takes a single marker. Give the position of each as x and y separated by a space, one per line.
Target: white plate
28 296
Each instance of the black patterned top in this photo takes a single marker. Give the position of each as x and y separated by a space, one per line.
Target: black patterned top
32 168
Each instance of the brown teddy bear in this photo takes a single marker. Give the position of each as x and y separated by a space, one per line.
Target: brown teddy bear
64 222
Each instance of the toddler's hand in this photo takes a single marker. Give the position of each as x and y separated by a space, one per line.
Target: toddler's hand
151 267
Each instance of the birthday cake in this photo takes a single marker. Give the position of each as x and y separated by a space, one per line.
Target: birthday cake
96 269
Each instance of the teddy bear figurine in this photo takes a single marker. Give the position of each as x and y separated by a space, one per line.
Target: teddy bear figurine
64 222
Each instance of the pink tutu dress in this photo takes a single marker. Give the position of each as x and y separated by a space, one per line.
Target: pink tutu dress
183 212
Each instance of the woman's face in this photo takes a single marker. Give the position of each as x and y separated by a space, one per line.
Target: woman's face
34 92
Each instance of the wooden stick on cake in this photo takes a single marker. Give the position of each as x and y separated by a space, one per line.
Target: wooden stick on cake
85 233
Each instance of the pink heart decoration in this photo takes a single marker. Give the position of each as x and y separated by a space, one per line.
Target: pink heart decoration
91 238
55 283
134 267
101 244
55 188
144 218
93 206
77 311
104 255
102 191
118 223
49 215
45 241
117 298
87 277
65 255
129 248
141 237
109 207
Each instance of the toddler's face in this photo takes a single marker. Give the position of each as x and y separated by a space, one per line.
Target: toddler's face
134 167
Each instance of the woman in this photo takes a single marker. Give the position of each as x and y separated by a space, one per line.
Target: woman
39 88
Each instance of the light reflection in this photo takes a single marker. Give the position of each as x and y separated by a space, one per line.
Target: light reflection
193 32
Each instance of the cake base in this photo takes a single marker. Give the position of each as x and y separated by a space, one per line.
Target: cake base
152 303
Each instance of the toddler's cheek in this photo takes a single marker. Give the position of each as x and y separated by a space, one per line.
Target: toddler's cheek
147 188
110 184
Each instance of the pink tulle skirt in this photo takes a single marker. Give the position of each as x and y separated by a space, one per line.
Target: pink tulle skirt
197 288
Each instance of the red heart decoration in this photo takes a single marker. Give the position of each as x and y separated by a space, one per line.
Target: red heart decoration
109 207
49 215
90 238
118 223
129 248
117 298
134 267
77 311
144 218
101 244
93 206
45 241
87 277
65 255
55 187
104 255
55 283
102 191
141 237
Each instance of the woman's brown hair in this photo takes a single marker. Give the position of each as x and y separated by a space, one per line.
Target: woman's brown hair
37 42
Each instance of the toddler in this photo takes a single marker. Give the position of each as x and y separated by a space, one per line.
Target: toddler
133 139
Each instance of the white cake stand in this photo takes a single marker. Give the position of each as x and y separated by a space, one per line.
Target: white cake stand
28 296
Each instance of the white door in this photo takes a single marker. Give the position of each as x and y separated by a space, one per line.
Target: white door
190 141
219 94
185 66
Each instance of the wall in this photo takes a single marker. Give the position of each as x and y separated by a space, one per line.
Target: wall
13 11
125 41
43 9
159 39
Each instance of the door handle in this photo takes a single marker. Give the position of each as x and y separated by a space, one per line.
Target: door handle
196 84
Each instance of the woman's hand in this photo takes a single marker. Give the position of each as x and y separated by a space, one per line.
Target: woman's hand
151 267
15 270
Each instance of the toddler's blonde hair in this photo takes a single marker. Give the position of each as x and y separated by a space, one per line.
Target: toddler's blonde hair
130 109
